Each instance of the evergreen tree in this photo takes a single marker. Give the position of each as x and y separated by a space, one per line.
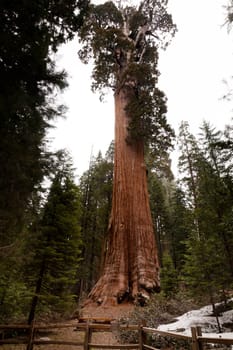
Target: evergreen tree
208 266
216 190
55 251
180 225
13 292
96 190
159 211
188 159
31 31
204 272
170 214
169 277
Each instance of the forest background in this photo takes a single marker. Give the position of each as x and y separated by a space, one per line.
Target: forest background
51 239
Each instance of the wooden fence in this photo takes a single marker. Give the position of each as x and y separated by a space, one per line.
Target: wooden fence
196 339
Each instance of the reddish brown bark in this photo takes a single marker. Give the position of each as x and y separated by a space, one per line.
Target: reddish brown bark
131 267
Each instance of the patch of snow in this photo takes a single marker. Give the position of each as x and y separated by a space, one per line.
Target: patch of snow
202 318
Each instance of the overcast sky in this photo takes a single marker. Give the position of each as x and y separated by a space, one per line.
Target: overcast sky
193 70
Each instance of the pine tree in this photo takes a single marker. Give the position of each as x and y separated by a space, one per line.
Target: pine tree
169 277
188 159
171 217
96 194
181 224
30 31
55 251
217 197
208 266
204 272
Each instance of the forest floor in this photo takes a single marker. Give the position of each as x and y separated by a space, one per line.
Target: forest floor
108 312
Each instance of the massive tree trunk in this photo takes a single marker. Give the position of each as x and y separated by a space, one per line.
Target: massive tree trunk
131 269
124 43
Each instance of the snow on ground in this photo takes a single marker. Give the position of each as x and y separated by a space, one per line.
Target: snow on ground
202 318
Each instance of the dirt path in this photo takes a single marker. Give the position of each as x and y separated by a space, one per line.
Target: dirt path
108 312
90 312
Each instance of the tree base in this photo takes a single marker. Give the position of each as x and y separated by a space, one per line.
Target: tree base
140 296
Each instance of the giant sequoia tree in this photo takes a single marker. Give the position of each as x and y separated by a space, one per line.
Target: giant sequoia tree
123 43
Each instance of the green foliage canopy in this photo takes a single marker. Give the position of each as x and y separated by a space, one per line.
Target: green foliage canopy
30 31
123 43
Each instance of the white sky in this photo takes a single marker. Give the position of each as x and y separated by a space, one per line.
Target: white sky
192 72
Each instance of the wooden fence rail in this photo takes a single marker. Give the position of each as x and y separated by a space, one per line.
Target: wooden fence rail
196 339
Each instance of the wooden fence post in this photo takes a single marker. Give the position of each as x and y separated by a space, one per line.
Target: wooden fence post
199 334
115 327
31 336
141 335
194 338
87 337
196 344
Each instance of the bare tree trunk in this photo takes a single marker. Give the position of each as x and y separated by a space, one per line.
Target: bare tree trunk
131 269
35 298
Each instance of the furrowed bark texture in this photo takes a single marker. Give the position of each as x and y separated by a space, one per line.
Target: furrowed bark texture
131 269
